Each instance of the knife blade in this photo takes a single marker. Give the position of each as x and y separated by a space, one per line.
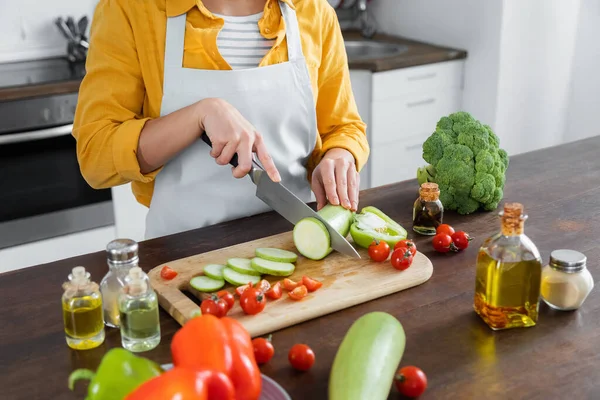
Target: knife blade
288 205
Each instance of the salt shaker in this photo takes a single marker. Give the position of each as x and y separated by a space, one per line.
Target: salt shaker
566 281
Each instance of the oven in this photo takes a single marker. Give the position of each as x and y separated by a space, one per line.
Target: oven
42 192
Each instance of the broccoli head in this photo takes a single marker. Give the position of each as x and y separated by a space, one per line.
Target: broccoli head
466 161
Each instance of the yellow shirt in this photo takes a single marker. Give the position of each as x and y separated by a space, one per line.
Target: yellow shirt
122 88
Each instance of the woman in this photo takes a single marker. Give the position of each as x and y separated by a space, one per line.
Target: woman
263 77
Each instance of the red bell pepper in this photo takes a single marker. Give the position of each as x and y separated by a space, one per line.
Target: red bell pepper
208 343
185 384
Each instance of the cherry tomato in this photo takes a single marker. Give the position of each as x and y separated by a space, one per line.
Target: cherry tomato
445 228
275 291
409 244
442 243
215 306
311 284
240 289
167 273
410 381
228 297
290 285
401 258
379 250
301 357
299 293
263 286
253 301
263 349
461 239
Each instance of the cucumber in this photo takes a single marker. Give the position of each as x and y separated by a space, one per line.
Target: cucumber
237 279
272 267
273 254
311 237
242 265
205 284
367 359
214 271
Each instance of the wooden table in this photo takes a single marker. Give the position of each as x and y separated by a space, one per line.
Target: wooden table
557 359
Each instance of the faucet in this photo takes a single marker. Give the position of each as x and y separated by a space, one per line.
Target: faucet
367 28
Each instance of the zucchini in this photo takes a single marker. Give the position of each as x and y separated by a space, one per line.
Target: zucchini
311 237
242 265
368 358
272 267
214 271
273 254
237 279
205 284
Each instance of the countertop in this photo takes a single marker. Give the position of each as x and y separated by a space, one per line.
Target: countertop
462 357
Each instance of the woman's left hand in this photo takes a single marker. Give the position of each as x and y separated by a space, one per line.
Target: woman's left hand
335 180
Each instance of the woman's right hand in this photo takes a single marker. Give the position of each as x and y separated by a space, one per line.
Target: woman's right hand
231 133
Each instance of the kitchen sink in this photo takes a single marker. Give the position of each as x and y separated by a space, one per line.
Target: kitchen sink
368 50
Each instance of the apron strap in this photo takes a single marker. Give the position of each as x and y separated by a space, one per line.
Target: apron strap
292 32
174 42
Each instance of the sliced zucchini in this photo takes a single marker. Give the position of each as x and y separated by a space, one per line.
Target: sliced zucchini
205 284
214 271
274 268
238 279
242 265
273 254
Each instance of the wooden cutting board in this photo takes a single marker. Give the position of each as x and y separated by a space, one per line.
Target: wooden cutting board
346 282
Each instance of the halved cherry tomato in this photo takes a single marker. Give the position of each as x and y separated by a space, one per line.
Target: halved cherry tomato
167 273
228 297
311 284
215 306
443 243
263 349
445 228
290 285
401 258
301 357
275 291
263 285
409 244
461 239
379 250
253 301
299 293
240 289
410 381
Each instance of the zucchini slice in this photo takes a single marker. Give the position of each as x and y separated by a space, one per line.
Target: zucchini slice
205 284
242 265
273 254
237 279
214 271
274 268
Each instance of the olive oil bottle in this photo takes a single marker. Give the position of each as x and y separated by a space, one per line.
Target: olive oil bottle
508 275
82 311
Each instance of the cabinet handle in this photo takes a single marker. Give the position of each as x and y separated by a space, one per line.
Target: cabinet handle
421 77
421 103
414 146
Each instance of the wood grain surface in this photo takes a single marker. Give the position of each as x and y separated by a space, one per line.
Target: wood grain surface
463 359
346 282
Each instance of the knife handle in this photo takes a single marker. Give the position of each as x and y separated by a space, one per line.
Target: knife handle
234 159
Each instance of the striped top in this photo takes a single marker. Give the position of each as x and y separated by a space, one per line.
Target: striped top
240 42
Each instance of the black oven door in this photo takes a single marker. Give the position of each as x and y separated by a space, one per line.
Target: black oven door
42 191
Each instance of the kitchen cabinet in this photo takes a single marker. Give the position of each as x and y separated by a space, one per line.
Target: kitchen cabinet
401 108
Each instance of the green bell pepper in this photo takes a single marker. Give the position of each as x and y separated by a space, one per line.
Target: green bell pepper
372 224
118 374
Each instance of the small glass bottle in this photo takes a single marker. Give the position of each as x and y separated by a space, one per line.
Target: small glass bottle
122 255
566 281
138 307
508 275
428 211
82 311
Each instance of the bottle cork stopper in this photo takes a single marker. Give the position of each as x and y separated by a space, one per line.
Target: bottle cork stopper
135 273
137 284
78 272
429 191
513 219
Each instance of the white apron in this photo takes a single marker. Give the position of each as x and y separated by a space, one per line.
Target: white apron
192 190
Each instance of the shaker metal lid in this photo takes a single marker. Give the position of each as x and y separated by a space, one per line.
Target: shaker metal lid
567 260
122 250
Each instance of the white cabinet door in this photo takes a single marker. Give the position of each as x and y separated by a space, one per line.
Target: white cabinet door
361 81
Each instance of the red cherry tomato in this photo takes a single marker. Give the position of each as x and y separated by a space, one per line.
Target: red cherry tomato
379 250
410 381
240 289
445 228
275 292
311 284
263 349
167 273
263 286
253 301
299 293
401 258
215 306
301 357
290 285
461 239
442 243
409 244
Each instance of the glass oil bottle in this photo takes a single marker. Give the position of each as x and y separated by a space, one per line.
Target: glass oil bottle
138 307
82 311
122 255
508 276
428 211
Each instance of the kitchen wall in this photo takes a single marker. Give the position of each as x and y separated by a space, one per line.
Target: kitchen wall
27 27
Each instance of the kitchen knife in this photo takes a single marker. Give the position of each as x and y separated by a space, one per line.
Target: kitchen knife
287 204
